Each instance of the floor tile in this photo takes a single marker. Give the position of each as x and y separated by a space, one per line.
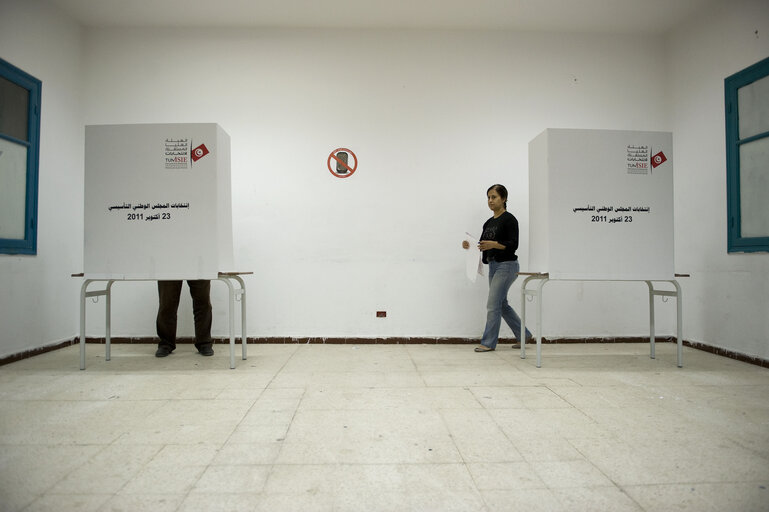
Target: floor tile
79 502
108 471
570 473
522 500
589 498
141 503
248 453
232 479
164 479
478 437
333 428
505 476
671 498
367 436
229 502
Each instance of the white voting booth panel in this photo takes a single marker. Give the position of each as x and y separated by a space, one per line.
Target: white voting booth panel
601 204
601 208
157 201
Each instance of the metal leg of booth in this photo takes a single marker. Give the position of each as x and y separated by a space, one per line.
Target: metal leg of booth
238 293
653 292
84 293
537 294
243 331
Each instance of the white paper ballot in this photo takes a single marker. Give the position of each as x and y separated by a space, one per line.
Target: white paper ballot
474 260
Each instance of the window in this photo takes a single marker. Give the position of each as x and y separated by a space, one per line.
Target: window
19 157
747 158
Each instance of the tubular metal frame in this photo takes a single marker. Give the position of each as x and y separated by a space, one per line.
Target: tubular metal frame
543 278
235 293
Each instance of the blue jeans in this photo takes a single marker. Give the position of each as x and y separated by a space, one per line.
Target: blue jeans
501 277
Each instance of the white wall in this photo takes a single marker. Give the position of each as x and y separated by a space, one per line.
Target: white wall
38 298
434 118
727 297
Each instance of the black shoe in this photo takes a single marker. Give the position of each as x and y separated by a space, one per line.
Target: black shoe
163 351
206 350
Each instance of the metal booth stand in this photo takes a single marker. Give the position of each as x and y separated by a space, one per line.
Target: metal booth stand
544 277
235 285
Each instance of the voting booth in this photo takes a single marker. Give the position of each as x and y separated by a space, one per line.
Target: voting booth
157 201
601 204
158 207
601 208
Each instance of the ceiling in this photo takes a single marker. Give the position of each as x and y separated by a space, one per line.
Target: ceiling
600 16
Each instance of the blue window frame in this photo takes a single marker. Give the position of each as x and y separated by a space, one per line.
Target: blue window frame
20 95
747 158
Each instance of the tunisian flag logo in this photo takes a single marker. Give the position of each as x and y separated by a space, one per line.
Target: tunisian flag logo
199 152
657 159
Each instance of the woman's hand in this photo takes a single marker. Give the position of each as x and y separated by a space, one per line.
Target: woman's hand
465 244
485 245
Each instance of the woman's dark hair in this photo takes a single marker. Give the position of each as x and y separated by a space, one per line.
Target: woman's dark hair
501 190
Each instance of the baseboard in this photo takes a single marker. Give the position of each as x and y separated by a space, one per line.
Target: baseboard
26 354
385 341
758 361
279 340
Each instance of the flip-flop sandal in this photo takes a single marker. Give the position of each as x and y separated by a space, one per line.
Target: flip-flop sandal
483 349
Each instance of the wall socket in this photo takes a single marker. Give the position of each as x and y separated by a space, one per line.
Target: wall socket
381 314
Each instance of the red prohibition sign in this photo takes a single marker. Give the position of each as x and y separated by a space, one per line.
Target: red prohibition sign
341 169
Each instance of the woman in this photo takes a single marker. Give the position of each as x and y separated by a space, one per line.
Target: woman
499 242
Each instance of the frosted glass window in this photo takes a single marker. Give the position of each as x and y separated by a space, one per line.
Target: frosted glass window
13 189
754 188
747 158
20 95
753 102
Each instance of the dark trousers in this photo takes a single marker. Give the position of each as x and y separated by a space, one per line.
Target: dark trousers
169 293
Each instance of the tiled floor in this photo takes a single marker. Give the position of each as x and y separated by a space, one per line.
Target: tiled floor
384 427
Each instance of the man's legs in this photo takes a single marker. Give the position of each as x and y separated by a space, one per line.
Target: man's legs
200 290
168 303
